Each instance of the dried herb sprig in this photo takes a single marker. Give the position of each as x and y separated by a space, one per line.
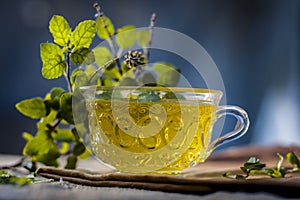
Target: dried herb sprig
8 178
254 167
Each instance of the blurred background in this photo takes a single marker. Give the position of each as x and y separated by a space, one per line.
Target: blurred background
254 43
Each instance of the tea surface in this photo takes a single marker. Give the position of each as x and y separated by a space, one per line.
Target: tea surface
165 136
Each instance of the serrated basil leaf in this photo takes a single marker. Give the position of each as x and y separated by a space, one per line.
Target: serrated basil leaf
65 105
74 74
42 149
102 55
252 164
80 79
126 36
293 159
60 29
168 75
143 37
56 92
83 56
27 136
105 29
63 135
127 81
54 67
53 101
45 121
253 160
249 166
49 50
113 73
34 108
83 34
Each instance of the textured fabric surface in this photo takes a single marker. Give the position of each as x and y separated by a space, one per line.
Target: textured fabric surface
55 191
204 180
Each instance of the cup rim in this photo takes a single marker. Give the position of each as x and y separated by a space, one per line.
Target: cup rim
175 89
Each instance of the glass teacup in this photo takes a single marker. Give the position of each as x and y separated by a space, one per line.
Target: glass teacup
156 129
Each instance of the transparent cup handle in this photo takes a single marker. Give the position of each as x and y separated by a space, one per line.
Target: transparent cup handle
240 129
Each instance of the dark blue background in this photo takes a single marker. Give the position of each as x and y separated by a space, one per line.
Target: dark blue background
255 44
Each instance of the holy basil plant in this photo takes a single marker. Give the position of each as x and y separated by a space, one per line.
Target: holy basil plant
70 55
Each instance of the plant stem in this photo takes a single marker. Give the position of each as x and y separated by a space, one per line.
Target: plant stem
109 40
67 73
102 67
151 26
56 123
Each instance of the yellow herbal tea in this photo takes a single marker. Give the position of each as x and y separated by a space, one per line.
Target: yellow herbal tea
165 136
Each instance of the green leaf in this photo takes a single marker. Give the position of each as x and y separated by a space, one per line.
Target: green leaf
113 73
105 28
173 96
143 37
53 101
107 82
63 135
127 81
293 159
60 29
64 147
34 108
56 92
20 180
252 164
53 61
42 125
226 174
240 177
102 55
126 36
85 154
83 34
80 79
78 149
168 75
90 69
83 56
71 162
66 107
280 162
27 136
148 96
74 74
148 79
54 68
269 172
49 50
4 174
42 149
